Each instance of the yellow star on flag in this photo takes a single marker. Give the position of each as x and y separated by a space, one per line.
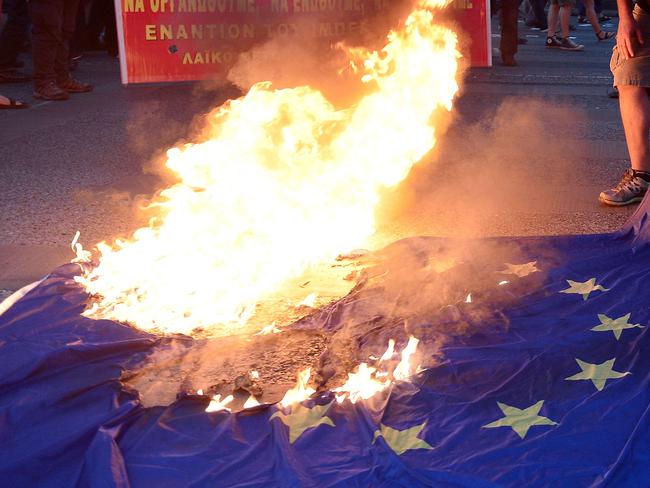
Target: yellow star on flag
302 418
584 288
521 270
615 325
597 373
520 420
401 441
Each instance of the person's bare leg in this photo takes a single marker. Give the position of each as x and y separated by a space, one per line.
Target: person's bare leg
565 15
553 11
635 112
591 15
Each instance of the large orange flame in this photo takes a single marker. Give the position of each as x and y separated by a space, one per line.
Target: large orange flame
285 181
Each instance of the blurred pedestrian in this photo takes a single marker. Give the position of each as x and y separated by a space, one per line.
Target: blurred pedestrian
12 39
598 7
561 8
96 31
53 24
630 65
592 16
539 19
509 31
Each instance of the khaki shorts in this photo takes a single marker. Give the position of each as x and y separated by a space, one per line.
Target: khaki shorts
634 71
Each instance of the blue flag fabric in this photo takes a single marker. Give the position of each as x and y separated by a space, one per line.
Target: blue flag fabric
559 397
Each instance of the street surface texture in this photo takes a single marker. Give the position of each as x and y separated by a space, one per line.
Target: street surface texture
527 152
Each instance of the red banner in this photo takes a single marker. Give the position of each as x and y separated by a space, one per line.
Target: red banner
179 40
473 16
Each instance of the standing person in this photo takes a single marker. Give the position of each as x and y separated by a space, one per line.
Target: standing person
12 39
630 65
561 8
509 31
53 24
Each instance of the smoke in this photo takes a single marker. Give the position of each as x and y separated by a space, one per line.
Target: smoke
496 172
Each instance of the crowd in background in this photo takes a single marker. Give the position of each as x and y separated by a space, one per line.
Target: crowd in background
556 23
56 32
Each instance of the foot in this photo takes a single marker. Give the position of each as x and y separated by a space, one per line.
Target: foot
508 60
612 92
605 35
553 42
631 189
71 85
567 44
11 104
50 91
604 18
13 75
582 19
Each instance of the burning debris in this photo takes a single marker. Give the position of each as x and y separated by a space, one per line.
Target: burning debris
391 325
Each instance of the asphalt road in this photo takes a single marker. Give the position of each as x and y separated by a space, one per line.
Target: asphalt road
527 152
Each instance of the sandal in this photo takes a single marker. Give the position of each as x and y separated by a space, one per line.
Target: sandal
604 35
12 105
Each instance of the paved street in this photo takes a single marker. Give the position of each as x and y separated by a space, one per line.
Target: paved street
528 151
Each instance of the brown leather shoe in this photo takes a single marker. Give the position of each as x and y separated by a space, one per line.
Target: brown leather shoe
73 86
50 91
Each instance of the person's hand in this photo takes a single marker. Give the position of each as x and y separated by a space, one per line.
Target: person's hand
628 37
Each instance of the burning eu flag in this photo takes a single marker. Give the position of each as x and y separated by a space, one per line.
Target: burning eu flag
558 396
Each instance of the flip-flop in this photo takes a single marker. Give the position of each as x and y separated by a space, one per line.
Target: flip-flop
13 104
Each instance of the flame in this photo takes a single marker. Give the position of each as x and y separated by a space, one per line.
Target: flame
81 255
251 402
309 301
390 350
360 385
403 369
269 329
299 392
367 381
217 404
284 182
